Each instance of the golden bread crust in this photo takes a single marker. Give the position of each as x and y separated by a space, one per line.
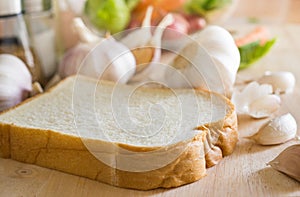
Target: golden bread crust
68 153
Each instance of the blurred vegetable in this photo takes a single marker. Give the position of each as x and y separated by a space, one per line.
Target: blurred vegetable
110 15
252 52
167 5
131 4
196 23
260 34
137 16
160 10
254 46
201 7
178 28
145 45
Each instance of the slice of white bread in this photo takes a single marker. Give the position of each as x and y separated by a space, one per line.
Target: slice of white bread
132 137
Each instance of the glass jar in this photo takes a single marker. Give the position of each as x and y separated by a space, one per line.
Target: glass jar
14 37
40 23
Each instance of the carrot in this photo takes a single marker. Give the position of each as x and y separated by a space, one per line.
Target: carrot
138 16
161 8
169 5
260 34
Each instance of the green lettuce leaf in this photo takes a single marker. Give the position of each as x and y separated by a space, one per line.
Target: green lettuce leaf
253 51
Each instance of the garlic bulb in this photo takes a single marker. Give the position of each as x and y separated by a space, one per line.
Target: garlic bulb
256 100
282 82
276 131
141 36
288 162
211 62
98 57
146 46
72 59
15 79
139 42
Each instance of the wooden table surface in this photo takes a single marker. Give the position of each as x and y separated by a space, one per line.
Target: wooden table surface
244 173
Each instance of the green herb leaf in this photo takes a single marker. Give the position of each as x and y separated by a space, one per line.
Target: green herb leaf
253 51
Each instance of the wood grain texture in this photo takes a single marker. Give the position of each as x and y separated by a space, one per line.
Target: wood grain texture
244 173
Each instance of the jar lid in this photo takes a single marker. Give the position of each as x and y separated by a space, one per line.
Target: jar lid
10 7
34 6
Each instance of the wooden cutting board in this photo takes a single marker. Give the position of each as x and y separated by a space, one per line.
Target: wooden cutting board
244 173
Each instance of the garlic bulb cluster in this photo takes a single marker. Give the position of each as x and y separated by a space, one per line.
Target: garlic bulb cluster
256 100
209 60
146 46
98 57
276 131
210 63
15 84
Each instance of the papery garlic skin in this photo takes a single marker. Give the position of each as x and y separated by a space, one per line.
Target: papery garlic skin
264 106
282 82
288 162
15 82
276 131
252 92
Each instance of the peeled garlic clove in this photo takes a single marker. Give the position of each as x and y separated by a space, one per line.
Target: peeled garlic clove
288 162
276 131
264 106
282 82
